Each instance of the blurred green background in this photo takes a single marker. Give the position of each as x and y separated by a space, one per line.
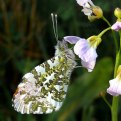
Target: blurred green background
27 39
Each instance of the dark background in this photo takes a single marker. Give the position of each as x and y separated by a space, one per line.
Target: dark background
27 39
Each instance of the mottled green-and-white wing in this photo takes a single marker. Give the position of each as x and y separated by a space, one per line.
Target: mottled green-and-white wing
43 90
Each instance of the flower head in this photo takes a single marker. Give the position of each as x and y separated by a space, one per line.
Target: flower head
85 49
117 13
87 5
93 12
115 84
116 26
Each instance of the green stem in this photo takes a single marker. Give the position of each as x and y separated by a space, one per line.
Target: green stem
103 32
114 36
114 109
106 101
120 38
116 63
118 57
106 21
115 40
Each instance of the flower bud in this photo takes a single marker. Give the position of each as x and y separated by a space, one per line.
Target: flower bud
117 13
97 13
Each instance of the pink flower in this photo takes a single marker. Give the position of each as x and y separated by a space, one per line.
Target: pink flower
84 50
115 87
116 26
115 84
87 54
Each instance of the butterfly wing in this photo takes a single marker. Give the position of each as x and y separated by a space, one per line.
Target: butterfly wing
43 90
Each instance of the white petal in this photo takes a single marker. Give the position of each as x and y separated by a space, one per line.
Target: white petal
85 3
87 11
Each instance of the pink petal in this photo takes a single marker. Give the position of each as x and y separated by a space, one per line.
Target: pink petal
89 65
84 51
116 26
72 39
82 43
89 55
115 87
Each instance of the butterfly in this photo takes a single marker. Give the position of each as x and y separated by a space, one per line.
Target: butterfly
44 88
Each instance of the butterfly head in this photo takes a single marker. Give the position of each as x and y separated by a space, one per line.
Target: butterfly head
62 49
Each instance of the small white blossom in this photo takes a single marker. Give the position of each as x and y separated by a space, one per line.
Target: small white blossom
89 9
87 6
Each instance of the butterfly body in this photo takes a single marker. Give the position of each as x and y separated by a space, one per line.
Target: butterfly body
43 90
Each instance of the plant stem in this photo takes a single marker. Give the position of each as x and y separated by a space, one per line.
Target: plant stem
114 109
104 31
120 38
116 63
118 57
114 36
106 101
106 21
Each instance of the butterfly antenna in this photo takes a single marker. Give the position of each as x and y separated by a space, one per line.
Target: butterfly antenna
56 25
54 22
